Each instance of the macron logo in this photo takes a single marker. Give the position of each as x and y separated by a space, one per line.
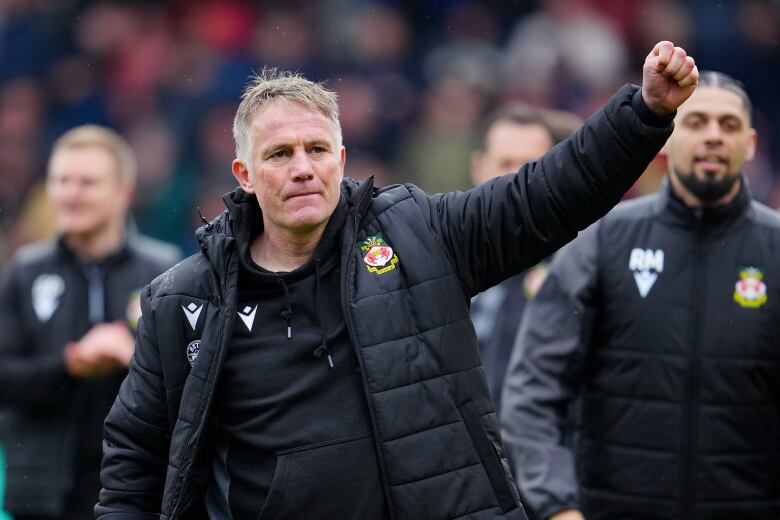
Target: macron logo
646 265
192 312
247 315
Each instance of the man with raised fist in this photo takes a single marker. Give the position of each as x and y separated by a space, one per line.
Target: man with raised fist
316 358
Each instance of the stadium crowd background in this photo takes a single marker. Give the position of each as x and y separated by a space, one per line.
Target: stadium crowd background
414 79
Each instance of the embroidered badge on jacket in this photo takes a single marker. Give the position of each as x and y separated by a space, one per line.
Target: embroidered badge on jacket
193 348
646 265
750 290
46 292
378 255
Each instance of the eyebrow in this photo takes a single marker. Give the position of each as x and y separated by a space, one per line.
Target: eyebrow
306 142
729 116
700 113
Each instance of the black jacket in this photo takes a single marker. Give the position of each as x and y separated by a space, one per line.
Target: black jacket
654 318
43 306
435 431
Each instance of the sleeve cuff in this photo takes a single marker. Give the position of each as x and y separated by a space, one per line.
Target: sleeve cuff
646 115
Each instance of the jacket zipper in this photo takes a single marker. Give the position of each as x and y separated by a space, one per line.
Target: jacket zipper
352 337
227 324
690 444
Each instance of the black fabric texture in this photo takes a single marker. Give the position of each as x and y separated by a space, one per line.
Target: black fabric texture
280 408
679 413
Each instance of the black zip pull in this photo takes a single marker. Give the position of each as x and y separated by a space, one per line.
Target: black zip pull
323 349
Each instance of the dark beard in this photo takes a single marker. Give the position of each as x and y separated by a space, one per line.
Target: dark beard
708 190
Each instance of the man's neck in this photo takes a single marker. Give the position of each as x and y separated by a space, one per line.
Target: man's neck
278 251
97 245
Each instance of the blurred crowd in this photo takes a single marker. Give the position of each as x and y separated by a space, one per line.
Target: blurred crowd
414 78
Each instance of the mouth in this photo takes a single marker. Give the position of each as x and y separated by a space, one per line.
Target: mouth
711 163
302 194
71 209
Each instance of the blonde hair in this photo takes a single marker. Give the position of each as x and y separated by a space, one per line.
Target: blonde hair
271 85
94 136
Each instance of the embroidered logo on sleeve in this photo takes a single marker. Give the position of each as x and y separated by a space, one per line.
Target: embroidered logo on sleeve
46 292
192 311
646 265
378 255
750 290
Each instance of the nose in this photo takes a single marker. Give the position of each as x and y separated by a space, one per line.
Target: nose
714 133
301 166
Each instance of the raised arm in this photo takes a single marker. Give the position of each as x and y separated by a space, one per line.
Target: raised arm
503 226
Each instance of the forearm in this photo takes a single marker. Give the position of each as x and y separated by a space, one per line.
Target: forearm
510 223
587 174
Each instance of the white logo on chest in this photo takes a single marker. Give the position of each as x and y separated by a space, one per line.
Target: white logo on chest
46 292
646 265
247 315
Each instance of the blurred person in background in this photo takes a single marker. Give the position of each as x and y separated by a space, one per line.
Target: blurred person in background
663 318
511 136
316 358
67 310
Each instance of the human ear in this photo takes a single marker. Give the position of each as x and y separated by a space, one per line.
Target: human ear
241 173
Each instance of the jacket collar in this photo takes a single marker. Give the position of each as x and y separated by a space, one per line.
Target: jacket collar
679 214
218 236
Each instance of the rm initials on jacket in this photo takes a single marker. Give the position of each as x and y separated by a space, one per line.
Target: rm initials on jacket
646 265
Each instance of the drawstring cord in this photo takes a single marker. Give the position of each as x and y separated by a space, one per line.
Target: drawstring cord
323 348
287 314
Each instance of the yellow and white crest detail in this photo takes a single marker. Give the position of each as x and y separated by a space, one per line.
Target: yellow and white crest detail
750 290
378 256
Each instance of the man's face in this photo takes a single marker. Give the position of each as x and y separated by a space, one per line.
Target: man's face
85 191
296 170
711 141
508 146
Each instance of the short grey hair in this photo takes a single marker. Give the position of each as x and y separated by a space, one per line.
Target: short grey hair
270 85
94 136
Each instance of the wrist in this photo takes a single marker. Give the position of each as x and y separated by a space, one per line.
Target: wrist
654 116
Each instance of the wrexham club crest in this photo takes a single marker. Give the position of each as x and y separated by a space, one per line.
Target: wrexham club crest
378 255
750 290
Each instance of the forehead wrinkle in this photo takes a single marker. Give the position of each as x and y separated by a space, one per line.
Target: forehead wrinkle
312 127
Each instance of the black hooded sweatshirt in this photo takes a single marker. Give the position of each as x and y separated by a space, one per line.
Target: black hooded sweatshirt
290 412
